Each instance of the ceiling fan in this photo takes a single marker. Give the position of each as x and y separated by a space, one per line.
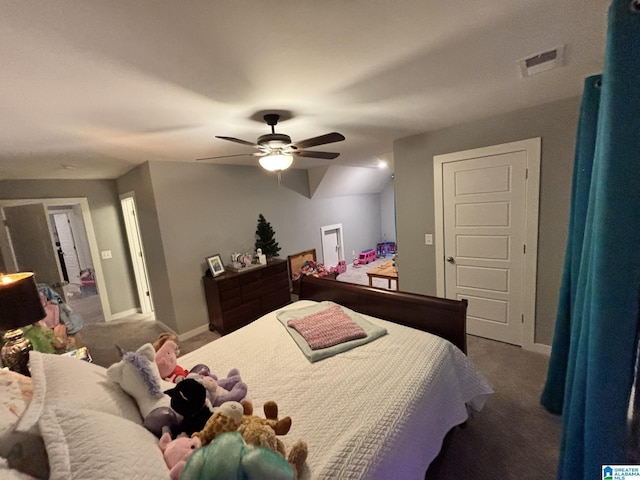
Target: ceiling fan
276 150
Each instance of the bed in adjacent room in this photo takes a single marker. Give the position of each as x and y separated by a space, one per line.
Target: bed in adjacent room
377 410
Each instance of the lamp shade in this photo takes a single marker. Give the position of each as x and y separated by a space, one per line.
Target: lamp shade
276 162
20 303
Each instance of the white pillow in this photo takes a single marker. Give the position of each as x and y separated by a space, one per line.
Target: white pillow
17 391
68 382
86 444
7 473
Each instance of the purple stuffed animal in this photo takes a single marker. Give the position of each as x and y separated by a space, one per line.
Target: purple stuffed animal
230 389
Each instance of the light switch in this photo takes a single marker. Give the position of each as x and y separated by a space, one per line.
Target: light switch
428 239
105 254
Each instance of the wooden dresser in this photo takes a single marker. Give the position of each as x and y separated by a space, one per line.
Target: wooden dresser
235 299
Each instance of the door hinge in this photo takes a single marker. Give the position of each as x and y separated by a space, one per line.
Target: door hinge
524 248
526 174
523 318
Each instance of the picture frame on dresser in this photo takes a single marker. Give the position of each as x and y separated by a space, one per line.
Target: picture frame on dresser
215 265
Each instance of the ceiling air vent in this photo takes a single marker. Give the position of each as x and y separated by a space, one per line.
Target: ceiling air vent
541 62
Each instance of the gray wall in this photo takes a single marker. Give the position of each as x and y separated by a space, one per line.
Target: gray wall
190 211
388 212
556 124
104 204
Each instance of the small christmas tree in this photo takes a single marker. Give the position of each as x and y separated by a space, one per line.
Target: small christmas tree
264 238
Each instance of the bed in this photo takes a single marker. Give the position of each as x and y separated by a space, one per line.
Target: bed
377 411
297 268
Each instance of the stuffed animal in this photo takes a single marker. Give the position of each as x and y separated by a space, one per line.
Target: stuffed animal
177 452
189 399
226 418
280 426
167 352
219 391
261 432
138 375
229 456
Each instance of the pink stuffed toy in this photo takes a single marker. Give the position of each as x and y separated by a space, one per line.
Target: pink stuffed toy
167 361
177 452
219 391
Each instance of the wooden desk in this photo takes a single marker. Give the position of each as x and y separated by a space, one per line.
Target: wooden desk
386 271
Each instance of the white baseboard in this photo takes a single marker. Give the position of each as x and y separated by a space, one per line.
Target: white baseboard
194 332
125 313
540 348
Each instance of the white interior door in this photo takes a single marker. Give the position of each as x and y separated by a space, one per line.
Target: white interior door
332 242
32 242
68 246
137 253
484 236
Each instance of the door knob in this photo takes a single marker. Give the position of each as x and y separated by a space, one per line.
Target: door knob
450 260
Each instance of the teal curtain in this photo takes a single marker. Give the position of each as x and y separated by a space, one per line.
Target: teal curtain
591 368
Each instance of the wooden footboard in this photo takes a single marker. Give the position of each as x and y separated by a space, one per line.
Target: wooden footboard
439 316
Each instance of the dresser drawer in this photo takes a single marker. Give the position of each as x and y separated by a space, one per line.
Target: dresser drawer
228 284
241 316
280 267
230 299
275 300
235 299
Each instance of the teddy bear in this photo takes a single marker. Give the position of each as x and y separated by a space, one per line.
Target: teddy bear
226 418
176 452
261 432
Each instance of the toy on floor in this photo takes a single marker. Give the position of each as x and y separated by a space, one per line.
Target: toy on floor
367 256
341 267
176 452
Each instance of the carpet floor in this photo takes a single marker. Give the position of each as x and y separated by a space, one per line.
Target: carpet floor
101 338
359 275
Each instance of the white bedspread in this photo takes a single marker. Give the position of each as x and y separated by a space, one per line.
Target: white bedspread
378 411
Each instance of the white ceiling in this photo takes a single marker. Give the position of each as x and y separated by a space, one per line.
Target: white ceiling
91 89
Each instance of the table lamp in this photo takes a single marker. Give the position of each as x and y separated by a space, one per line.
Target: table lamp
20 305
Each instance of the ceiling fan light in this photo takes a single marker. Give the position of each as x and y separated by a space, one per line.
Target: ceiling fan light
276 162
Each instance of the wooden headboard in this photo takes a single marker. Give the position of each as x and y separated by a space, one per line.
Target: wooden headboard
297 260
440 316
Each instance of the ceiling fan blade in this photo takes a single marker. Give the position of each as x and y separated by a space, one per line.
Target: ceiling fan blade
321 140
237 140
229 156
312 154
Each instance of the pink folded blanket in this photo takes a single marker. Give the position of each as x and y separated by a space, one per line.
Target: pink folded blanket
327 327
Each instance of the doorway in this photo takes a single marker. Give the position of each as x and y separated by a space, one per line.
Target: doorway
28 242
486 205
136 250
65 242
332 244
